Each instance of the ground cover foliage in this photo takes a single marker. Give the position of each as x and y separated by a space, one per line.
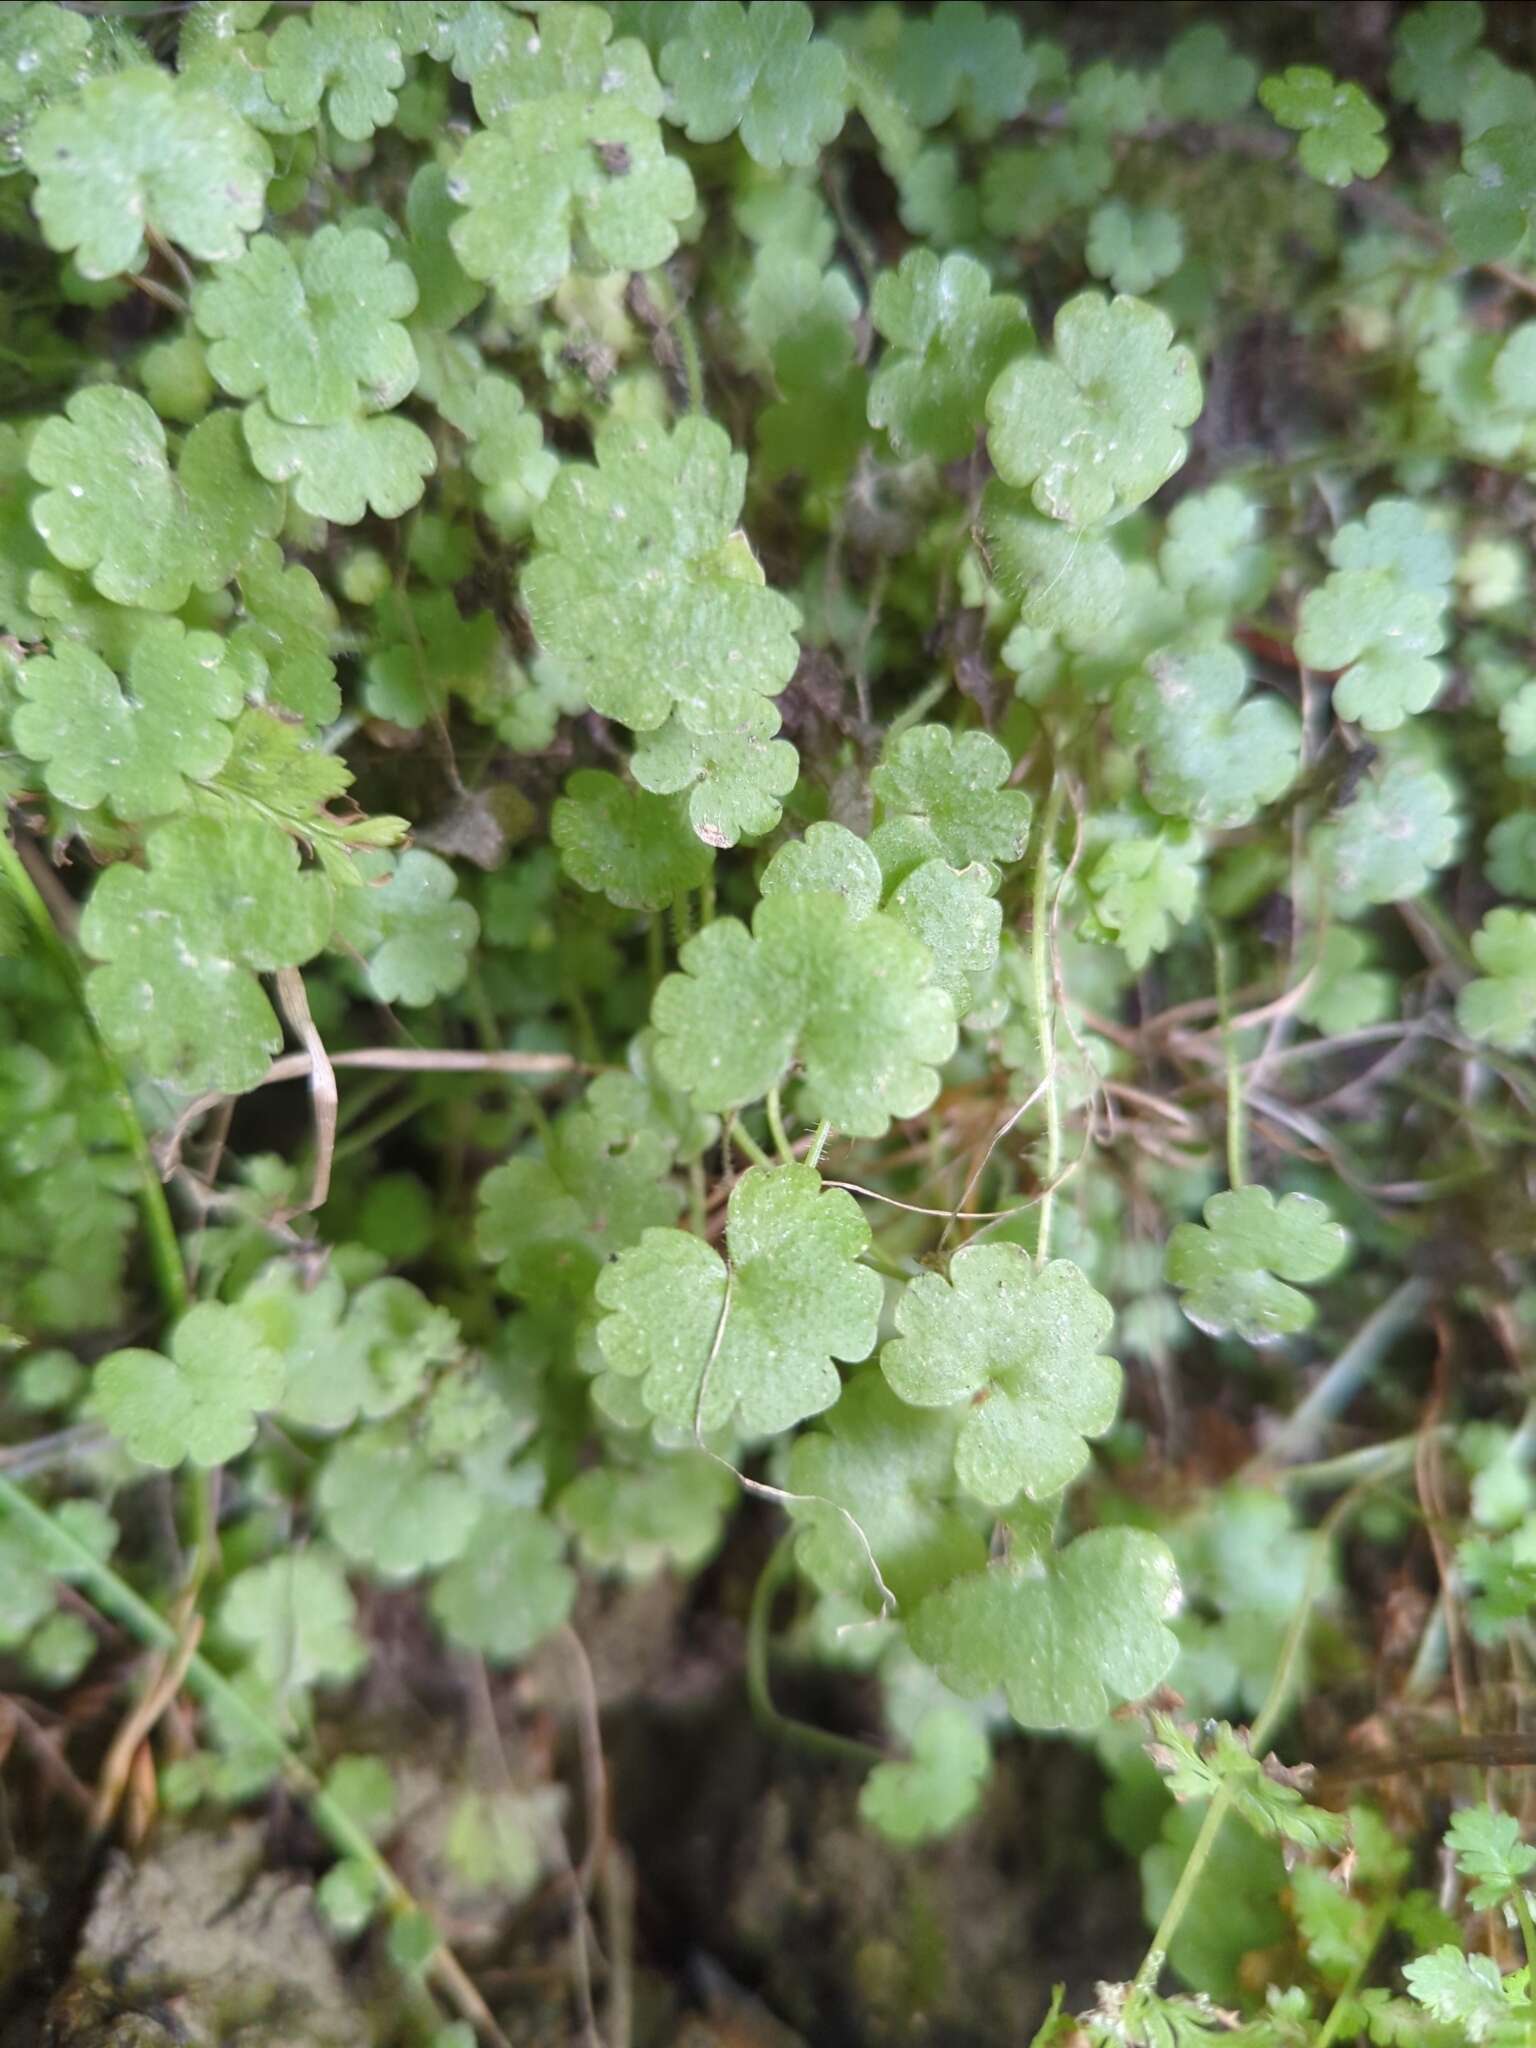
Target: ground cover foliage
769 778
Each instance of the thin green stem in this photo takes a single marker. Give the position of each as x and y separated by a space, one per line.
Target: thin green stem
821 1741
159 1227
655 950
744 1138
680 922
780 1136
1527 1929
1340 2007
1237 1124
819 1143
1045 1012
114 1596
1275 1705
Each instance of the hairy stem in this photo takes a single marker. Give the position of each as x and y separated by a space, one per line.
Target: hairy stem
1045 1015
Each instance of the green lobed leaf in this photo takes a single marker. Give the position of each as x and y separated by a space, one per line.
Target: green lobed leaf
314 328
509 1588
1021 1349
201 1401
949 338
1340 125
114 506
734 777
938 1788
293 1619
636 849
1232 1271
880 1473
1096 430
759 70
1499 1007
409 926
1065 1635
571 156
644 585
1213 754
798 1299
855 1003
132 745
950 793
184 939
140 152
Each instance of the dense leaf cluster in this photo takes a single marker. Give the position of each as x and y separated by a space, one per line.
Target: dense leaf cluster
777 756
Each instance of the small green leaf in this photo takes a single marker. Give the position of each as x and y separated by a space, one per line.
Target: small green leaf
954 913
929 1796
201 1402
550 1222
667 1512
139 153
1464 1991
855 1002
637 849
735 777
760 70
1489 1848
294 1620
1141 887
643 584
46 53
1096 430
114 507
950 336
184 940
1134 248
798 1299
1204 79
509 1589
830 860
1364 622
318 332
572 156
1213 754
1231 1272
1499 1008
1490 206
1213 555
408 924
367 1357
1340 125
386 1505
880 1473
1021 1348
1435 43
953 790
1065 1635
132 745
339 55
340 472
1397 829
